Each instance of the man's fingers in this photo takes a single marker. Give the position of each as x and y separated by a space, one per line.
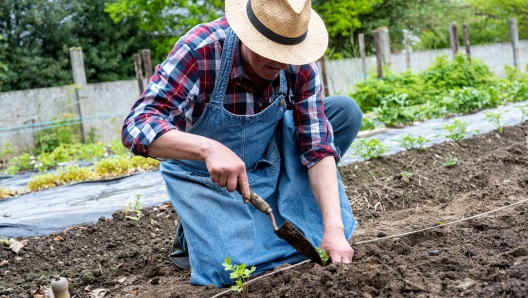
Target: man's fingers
231 183
244 187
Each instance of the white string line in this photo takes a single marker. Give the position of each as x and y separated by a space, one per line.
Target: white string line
379 239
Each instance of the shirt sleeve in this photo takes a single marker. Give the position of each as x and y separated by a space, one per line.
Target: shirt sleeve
315 131
165 101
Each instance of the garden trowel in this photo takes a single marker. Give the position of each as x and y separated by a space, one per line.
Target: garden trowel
287 231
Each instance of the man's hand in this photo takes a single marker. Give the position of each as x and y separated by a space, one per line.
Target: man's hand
227 170
337 247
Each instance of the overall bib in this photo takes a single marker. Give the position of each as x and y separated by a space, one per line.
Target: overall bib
216 222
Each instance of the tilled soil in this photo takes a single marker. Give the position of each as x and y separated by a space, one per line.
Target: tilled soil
486 256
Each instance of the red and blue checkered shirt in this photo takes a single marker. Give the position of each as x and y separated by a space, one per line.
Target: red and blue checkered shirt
182 86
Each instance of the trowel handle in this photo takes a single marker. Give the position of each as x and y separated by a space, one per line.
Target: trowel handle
258 202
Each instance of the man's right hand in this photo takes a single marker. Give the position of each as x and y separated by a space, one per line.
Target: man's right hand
227 170
224 166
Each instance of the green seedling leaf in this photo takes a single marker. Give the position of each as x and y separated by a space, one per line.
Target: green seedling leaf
324 256
451 162
240 274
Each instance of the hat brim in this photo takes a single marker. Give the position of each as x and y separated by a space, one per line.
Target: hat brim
310 50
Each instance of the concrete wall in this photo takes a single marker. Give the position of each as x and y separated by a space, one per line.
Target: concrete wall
344 74
105 105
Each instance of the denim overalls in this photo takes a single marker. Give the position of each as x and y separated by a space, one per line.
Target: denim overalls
217 223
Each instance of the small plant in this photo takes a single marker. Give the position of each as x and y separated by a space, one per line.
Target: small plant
451 162
135 208
366 124
324 256
240 274
368 149
4 240
524 111
409 142
456 129
439 223
495 119
405 174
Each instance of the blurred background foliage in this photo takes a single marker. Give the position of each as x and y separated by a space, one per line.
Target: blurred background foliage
36 35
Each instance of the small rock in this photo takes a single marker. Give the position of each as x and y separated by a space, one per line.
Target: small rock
435 252
381 235
210 287
102 218
469 254
155 280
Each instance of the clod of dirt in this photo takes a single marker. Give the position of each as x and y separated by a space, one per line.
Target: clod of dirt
381 235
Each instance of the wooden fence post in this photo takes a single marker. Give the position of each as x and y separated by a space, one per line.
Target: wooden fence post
323 75
79 79
514 38
407 51
139 73
147 64
378 52
361 38
466 41
453 38
385 46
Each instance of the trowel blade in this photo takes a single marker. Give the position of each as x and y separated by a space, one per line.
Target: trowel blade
296 239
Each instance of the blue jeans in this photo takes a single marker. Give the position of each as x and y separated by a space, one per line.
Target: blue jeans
345 116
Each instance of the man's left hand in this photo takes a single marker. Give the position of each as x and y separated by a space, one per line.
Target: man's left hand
337 247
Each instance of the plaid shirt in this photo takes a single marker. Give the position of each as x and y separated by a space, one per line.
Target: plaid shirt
182 86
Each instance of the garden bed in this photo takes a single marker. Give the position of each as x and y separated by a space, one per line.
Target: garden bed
481 257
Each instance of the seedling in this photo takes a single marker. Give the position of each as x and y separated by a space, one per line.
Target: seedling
495 118
451 162
240 274
524 111
409 142
456 129
134 209
405 174
368 149
324 256
4 241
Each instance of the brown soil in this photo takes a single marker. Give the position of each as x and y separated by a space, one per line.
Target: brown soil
482 257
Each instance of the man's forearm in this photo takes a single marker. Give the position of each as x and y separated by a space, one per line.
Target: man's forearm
175 144
323 181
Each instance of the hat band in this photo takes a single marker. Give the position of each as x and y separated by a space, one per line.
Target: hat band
288 41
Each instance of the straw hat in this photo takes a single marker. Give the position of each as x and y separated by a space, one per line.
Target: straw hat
287 31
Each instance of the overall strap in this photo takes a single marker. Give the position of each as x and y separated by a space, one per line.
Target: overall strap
226 63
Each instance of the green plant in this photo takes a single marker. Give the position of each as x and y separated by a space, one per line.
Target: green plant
524 111
92 135
366 124
135 208
368 149
5 150
4 240
240 274
405 174
409 142
64 130
451 162
456 129
495 119
324 256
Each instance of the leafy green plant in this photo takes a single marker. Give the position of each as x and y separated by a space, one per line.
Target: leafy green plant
366 124
524 111
240 274
5 150
4 240
60 177
121 165
324 256
495 119
408 142
451 162
456 129
368 149
133 208
64 130
405 174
